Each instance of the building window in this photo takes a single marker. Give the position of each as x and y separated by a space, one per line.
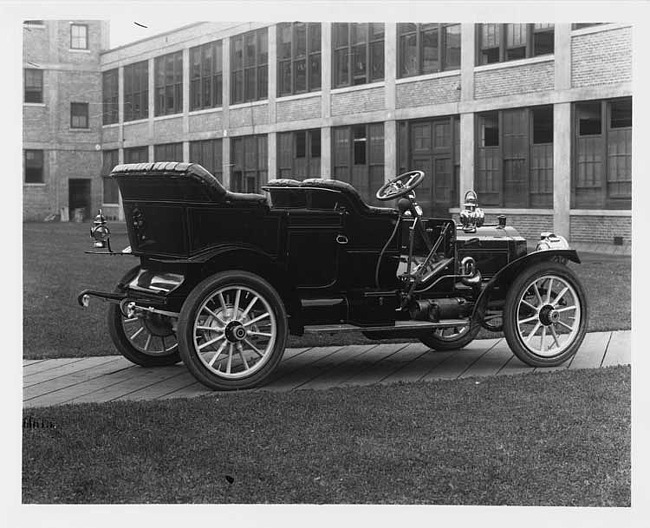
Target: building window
249 163
427 48
169 84
208 154
34 166
515 158
79 115
249 64
168 152
136 91
33 85
358 54
506 42
206 76
299 154
110 97
358 157
38 23
110 188
78 36
136 155
602 166
299 58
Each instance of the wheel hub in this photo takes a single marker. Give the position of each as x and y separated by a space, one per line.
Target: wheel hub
548 315
235 332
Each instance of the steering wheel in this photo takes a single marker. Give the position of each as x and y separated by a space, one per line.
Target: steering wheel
400 185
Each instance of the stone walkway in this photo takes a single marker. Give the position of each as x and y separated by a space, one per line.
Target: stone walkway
113 378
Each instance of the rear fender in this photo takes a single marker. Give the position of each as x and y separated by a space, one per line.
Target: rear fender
255 261
500 282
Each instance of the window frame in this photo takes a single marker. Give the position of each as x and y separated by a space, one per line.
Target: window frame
208 148
490 173
110 158
32 88
500 42
40 167
300 167
419 33
246 69
110 97
83 39
136 87
84 116
168 84
204 74
168 151
312 56
601 196
346 49
128 154
253 162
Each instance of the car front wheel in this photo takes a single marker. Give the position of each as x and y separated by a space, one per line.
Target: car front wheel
232 330
545 316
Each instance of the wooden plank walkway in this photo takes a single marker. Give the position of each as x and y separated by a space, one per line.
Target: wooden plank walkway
113 378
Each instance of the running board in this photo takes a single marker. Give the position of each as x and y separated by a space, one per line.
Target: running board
399 325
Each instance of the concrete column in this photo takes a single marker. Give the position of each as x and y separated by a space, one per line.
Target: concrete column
467 60
467 151
562 169
272 149
152 103
562 55
186 104
227 169
390 91
120 132
326 100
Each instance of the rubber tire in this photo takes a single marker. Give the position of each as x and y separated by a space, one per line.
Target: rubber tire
186 323
122 343
440 345
516 289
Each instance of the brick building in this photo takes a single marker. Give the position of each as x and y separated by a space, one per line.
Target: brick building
537 118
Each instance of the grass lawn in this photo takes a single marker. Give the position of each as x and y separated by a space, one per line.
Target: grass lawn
55 269
553 439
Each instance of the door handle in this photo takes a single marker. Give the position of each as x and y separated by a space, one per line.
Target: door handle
341 239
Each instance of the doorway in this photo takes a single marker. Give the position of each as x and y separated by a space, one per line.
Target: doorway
79 198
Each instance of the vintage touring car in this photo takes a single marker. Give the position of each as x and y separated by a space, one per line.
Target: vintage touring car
223 278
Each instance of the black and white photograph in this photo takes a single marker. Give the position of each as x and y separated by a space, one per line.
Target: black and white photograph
318 263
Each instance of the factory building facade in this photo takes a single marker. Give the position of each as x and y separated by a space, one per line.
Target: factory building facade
537 118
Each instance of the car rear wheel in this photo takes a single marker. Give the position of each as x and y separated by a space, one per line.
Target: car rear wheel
452 338
232 331
148 340
545 315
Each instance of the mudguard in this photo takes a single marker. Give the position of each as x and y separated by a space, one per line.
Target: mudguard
507 274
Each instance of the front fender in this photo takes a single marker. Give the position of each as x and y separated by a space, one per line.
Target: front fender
506 275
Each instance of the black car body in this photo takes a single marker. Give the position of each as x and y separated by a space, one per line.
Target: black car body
224 277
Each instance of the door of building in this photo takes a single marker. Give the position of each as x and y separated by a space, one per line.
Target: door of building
79 198
433 148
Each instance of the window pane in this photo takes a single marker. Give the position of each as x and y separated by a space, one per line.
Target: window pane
359 142
300 45
516 35
621 113
543 125
489 129
340 35
314 73
300 69
589 119
377 61
359 64
452 47
342 68
543 39
301 144
490 43
284 41
315 143
408 53
430 60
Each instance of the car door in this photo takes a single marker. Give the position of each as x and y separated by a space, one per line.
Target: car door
314 238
